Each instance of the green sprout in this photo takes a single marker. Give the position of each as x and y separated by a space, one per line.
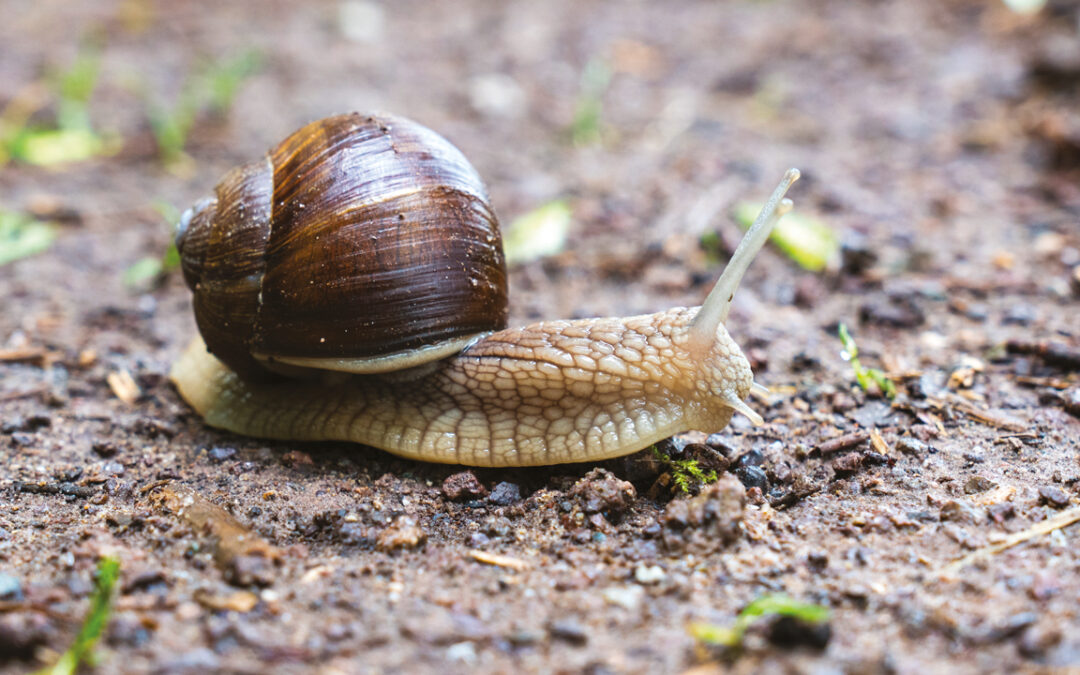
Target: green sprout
586 129
864 376
149 272
809 242
97 617
22 236
212 88
71 137
767 605
685 472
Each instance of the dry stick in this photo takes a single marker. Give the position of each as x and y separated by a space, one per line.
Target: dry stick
1063 519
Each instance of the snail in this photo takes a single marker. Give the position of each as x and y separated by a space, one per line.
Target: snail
351 285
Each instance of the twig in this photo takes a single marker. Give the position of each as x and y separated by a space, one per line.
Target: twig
1063 519
1053 353
841 443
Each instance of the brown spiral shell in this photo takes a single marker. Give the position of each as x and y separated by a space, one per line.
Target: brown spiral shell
356 237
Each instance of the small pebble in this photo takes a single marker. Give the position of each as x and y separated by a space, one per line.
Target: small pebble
977 484
847 465
505 494
463 485
10 588
568 630
959 512
1054 496
649 574
627 597
462 652
220 454
1019 314
911 446
113 469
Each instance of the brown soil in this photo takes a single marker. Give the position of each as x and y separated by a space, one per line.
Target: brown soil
942 139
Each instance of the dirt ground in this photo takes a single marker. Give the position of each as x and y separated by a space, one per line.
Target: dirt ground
940 139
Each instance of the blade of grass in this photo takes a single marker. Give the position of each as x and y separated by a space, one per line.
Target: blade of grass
97 617
22 236
864 376
586 127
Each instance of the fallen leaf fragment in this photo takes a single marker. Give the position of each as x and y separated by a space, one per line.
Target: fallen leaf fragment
239 601
243 556
123 386
497 560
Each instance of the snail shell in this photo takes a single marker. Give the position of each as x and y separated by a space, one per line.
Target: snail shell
359 243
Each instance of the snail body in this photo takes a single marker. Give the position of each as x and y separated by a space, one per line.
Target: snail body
547 393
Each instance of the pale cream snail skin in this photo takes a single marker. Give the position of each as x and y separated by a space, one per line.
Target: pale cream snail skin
549 393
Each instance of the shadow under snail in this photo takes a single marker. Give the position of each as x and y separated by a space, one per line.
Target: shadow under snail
350 285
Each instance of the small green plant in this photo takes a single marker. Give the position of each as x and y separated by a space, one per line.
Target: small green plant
809 242
22 236
586 129
766 605
213 88
864 376
148 272
71 136
685 472
97 617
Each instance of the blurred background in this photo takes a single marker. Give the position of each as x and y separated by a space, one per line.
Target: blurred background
923 126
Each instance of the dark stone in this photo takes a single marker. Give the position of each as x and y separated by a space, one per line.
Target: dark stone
898 312
788 631
720 444
104 449
753 477
817 561
144 580
750 458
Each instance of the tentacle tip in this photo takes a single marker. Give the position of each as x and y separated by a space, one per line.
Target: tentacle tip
738 405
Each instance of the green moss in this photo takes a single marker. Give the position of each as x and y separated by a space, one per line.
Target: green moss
686 473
